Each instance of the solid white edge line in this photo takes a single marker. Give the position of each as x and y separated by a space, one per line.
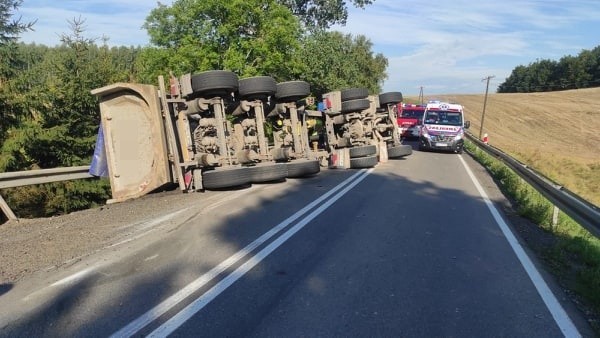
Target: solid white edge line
190 310
166 305
558 312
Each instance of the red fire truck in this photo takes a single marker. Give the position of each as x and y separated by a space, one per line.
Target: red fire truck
410 118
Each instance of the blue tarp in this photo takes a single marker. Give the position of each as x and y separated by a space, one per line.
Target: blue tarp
99 166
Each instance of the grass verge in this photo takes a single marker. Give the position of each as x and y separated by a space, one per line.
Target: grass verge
574 254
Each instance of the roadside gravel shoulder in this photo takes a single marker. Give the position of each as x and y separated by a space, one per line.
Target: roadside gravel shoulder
28 246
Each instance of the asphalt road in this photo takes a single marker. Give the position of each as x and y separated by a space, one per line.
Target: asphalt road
410 248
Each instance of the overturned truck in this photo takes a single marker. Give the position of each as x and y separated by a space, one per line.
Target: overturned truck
206 132
362 128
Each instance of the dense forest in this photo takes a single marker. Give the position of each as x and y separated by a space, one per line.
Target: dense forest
50 119
570 72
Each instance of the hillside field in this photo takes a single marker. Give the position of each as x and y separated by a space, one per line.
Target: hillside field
556 133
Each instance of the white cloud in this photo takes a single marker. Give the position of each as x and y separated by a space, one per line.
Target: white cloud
449 46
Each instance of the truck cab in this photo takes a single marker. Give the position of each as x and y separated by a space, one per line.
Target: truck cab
443 127
410 118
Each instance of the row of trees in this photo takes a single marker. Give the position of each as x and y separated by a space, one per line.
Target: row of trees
570 72
50 119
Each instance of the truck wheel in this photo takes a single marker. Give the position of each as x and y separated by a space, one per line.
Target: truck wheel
354 94
361 151
302 168
355 105
399 151
390 97
226 177
292 91
268 172
214 83
258 87
363 162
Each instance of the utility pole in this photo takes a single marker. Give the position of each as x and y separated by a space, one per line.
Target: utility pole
487 86
421 95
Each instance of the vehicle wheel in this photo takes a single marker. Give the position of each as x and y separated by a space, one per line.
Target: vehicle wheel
214 83
354 94
292 91
459 150
399 151
302 168
268 172
258 87
363 162
390 97
361 151
225 177
339 119
355 105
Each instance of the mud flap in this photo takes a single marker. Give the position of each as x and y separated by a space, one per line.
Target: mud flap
134 139
382 152
339 159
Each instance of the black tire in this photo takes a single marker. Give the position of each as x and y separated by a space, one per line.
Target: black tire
292 91
302 168
354 94
268 172
226 177
399 151
363 162
338 119
362 151
214 83
355 105
258 87
390 97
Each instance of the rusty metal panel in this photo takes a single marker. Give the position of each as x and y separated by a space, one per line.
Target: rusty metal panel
134 141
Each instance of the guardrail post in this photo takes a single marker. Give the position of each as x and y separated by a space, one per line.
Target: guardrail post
555 217
6 210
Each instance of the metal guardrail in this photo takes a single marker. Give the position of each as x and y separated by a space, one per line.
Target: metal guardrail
30 177
580 210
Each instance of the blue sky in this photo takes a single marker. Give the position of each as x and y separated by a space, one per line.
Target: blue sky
443 46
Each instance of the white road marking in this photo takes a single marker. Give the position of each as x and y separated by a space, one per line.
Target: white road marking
65 281
147 227
558 313
182 316
151 258
151 315
74 277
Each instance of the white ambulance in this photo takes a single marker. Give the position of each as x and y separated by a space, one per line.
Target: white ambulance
443 127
